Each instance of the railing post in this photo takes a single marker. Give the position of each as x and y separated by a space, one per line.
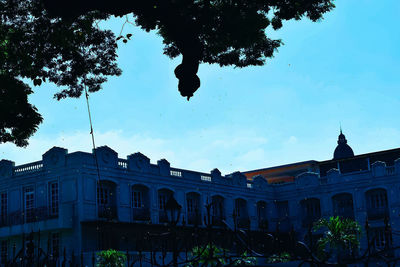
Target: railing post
81 258
93 259
65 258
127 257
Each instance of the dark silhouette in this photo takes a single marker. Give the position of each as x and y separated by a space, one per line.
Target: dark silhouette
58 41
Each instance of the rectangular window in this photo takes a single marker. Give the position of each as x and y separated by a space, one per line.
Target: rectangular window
3 208
53 197
249 185
4 252
137 199
191 205
29 207
55 244
162 200
103 195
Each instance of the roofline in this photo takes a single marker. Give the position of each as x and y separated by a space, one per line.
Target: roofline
361 155
282 166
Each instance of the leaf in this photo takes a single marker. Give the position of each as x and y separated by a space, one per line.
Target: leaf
129 35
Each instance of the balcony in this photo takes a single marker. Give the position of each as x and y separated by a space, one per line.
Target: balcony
141 214
377 213
263 224
243 222
194 218
32 215
108 212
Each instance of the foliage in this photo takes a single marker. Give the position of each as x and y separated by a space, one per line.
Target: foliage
342 234
207 256
59 42
110 258
35 47
245 260
283 257
225 32
211 255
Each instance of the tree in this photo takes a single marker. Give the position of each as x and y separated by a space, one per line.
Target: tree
110 258
33 46
341 235
58 41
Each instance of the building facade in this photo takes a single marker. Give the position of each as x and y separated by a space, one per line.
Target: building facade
59 203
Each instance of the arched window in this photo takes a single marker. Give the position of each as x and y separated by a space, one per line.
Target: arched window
106 200
140 203
163 196
193 208
242 215
377 204
217 210
343 205
262 215
311 211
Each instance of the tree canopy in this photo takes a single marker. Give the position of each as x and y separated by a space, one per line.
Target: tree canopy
59 42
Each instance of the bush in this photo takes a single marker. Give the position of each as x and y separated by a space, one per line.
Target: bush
110 258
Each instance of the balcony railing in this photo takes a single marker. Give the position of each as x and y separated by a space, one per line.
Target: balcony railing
308 220
141 214
263 224
194 218
377 213
108 212
218 220
243 222
284 225
32 215
162 216
347 213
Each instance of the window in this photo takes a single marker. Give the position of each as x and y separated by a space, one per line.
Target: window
55 244
162 200
137 197
53 193
103 195
381 238
249 185
4 252
191 205
29 196
3 208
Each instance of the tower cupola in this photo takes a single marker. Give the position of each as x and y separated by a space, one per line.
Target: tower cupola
343 150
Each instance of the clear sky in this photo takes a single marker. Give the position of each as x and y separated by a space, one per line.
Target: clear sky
344 69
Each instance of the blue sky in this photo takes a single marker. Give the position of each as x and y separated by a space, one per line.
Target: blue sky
343 69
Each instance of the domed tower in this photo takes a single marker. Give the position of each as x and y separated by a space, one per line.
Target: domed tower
343 150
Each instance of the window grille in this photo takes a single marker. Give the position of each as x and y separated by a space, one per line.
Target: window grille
53 198
55 244
4 252
29 195
3 207
137 197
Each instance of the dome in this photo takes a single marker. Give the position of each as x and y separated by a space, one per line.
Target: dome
343 150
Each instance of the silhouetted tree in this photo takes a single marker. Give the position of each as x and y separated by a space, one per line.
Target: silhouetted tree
58 41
